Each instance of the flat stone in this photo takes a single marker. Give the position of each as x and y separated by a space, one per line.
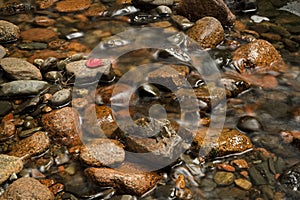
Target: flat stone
44 21
61 97
224 178
19 69
208 32
38 35
63 126
5 107
2 51
243 183
85 74
72 5
8 166
249 124
290 178
103 152
15 7
258 56
194 10
22 88
27 188
8 32
128 178
7 128
31 146
240 163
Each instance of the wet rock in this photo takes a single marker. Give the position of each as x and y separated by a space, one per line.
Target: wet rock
226 167
103 152
38 35
86 74
5 107
256 177
61 97
291 45
240 163
8 32
128 178
31 146
2 51
243 183
27 188
220 144
234 85
19 69
258 56
208 32
14 7
72 5
290 179
271 36
44 21
43 4
53 76
224 178
7 128
22 87
63 126
99 120
182 22
32 46
148 90
194 10
249 124
8 166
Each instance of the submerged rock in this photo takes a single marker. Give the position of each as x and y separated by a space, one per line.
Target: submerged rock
194 10
27 188
22 88
128 178
72 5
290 179
208 32
8 32
19 69
8 166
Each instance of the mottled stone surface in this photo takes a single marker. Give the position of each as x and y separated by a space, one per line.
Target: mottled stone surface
38 35
19 69
102 152
8 32
22 88
27 188
8 166
194 10
258 56
63 126
208 32
127 179
72 5
31 146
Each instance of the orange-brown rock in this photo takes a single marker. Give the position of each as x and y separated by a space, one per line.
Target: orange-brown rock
38 35
72 5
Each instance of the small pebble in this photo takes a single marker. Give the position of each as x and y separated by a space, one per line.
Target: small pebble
243 183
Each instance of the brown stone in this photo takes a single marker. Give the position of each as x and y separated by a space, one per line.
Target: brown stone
44 4
226 167
63 126
258 56
208 32
8 32
271 36
7 128
72 5
95 10
48 53
38 35
31 146
44 21
243 183
99 120
128 178
103 152
240 163
194 10
8 166
27 188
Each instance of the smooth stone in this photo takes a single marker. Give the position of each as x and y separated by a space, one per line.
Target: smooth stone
224 178
243 183
2 51
128 178
22 87
15 7
5 107
208 32
53 76
8 32
103 152
19 69
234 85
153 2
8 166
63 126
61 97
38 35
290 178
72 5
31 146
32 46
249 124
27 188
182 22
256 176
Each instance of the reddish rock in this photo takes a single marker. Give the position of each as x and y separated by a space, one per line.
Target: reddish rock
44 4
258 56
127 179
95 10
226 167
208 32
63 126
8 166
215 144
48 53
194 10
72 5
44 21
27 188
240 163
103 152
38 35
99 120
7 128
31 146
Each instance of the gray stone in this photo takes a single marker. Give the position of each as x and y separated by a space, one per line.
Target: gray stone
22 87
61 97
19 69
8 166
5 106
8 32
